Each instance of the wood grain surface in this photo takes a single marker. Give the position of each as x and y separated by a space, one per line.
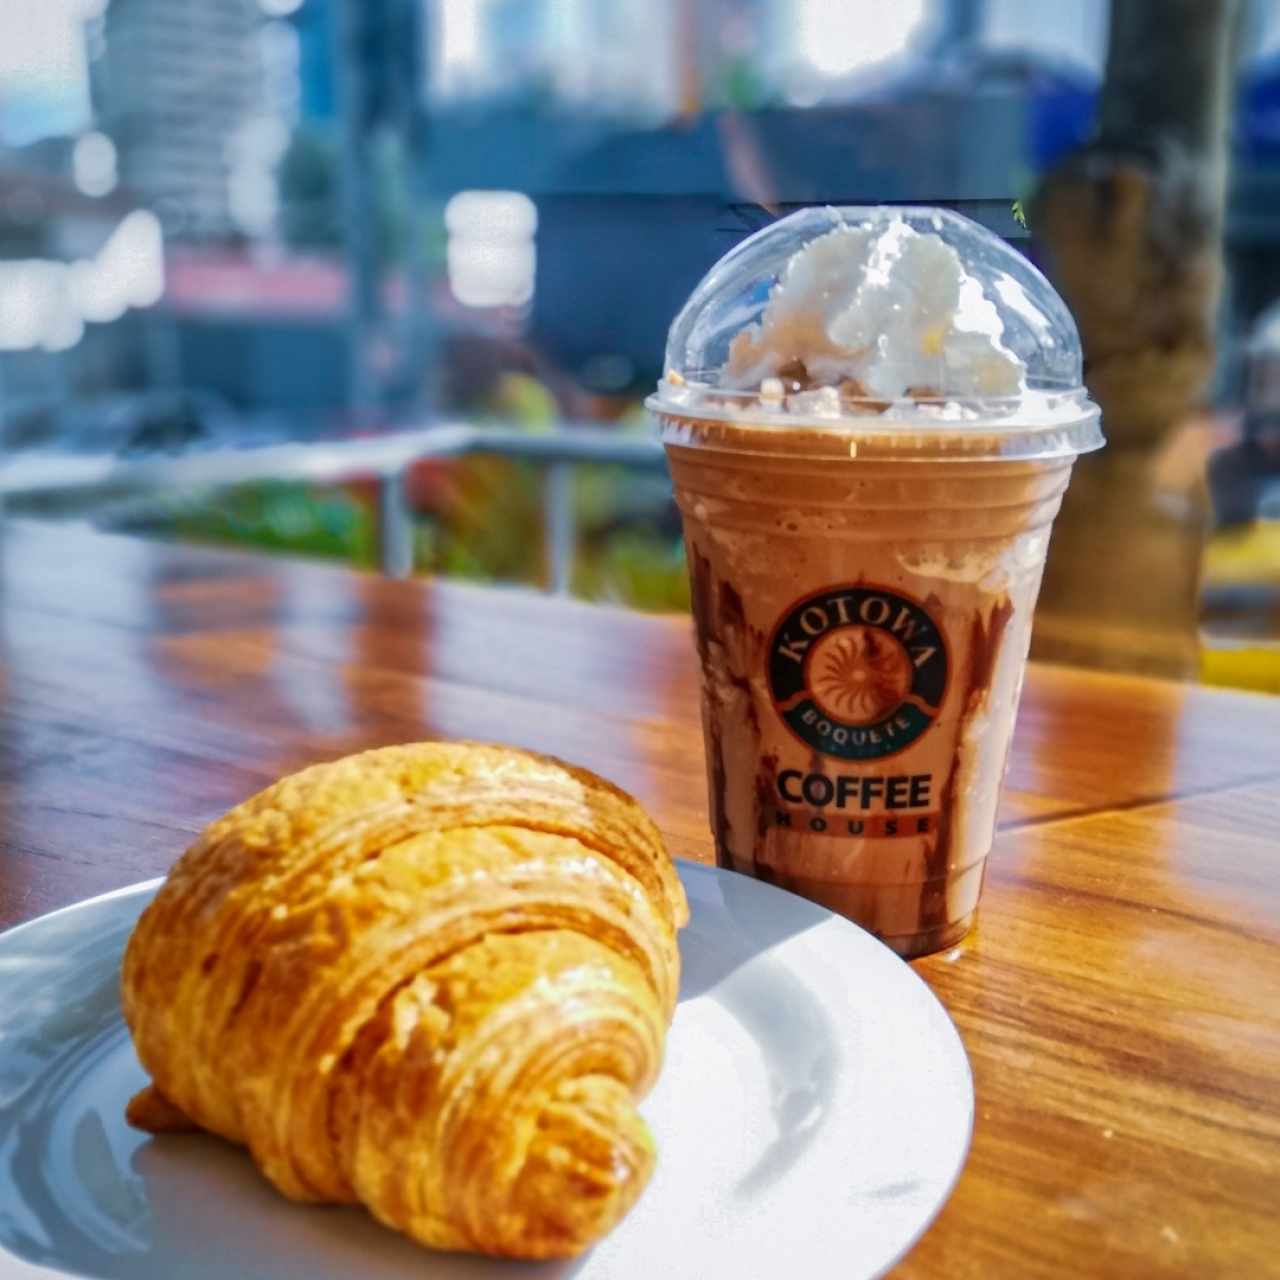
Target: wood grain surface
1120 998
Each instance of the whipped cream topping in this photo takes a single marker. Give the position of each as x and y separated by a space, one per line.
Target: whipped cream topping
882 312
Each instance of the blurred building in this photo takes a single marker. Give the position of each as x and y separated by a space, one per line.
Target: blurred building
176 82
44 80
615 58
964 124
516 33
318 92
73 269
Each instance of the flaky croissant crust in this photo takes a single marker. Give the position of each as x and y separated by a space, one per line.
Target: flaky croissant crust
433 979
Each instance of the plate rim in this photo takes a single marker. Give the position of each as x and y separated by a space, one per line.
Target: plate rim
125 891
822 914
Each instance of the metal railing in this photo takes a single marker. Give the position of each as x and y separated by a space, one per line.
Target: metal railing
386 458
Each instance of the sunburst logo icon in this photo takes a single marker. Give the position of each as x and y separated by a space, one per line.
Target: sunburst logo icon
859 674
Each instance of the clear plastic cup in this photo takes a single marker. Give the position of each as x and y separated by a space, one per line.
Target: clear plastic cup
864 576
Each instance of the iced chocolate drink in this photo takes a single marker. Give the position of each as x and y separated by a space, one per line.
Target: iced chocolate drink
871 416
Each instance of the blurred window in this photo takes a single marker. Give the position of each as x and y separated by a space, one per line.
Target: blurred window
250 221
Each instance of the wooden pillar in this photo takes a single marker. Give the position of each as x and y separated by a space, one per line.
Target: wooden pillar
1130 227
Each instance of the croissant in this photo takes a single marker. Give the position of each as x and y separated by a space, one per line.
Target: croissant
432 979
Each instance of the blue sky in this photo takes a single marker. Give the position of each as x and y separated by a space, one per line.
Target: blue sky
44 85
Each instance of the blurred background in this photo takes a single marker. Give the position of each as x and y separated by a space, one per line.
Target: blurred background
386 281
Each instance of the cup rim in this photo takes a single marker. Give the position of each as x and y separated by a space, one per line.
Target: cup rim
1064 427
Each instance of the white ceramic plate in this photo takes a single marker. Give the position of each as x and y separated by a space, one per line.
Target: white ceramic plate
813 1113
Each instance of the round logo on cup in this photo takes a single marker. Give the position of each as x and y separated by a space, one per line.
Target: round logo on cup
857 672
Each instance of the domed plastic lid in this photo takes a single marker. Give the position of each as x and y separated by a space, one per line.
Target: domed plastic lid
890 323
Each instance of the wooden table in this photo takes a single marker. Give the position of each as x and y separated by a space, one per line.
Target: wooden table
1120 999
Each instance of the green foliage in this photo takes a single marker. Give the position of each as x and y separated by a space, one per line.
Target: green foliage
636 568
742 87
311 216
280 516
480 518
489 531
488 521
1019 214
521 399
